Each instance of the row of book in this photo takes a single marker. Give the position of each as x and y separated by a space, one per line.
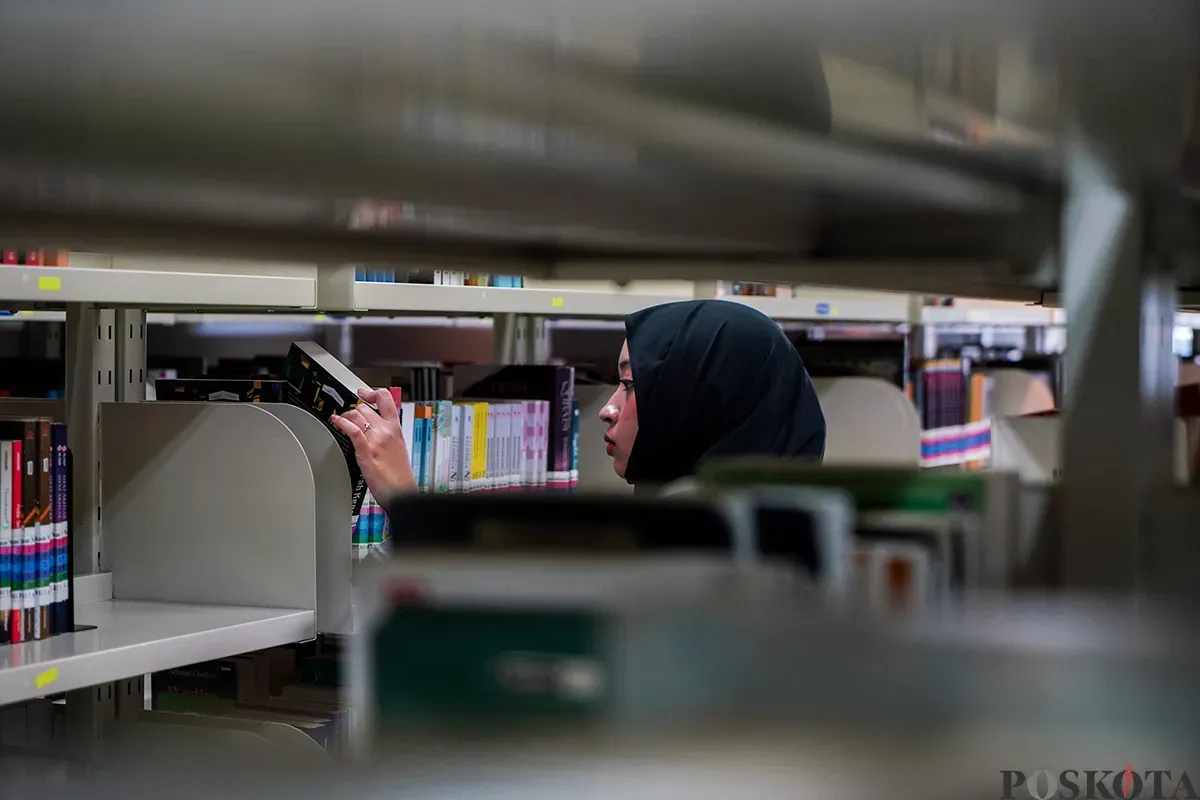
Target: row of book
437 277
751 289
956 397
35 535
488 446
34 257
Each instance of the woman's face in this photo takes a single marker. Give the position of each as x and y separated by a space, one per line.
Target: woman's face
620 416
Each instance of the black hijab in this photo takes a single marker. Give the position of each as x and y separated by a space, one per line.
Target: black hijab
715 378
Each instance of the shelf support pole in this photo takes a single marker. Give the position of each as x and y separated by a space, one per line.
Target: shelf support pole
91 380
1119 289
520 339
131 354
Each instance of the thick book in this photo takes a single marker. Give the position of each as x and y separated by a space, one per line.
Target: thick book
550 383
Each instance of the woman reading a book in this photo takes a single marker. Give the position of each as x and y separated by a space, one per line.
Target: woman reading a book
713 379
707 379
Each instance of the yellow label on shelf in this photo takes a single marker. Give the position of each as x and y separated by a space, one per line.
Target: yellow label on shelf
49 676
557 302
25 313
319 318
49 284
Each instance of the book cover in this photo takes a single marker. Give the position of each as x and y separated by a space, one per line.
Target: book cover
323 386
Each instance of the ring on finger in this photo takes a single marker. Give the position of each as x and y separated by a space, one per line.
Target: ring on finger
366 426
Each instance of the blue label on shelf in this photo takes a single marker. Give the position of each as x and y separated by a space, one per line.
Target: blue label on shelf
823 309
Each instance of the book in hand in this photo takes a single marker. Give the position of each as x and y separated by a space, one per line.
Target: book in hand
324 386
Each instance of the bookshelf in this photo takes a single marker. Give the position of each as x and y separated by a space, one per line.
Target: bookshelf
132 638
143 288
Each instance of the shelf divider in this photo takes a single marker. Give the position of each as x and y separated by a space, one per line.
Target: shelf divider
208 503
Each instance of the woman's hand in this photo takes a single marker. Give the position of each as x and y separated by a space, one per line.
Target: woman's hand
379 444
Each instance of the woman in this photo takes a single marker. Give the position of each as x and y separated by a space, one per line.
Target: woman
700 379
707 379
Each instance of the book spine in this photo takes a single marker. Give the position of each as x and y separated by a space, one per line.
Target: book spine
479 449
29 567
516 475
360 534
543 435
62 538
517 436
503 478
560 431
456 417
428 443
45 531
407 418
16 614
574 445
444 449
514 435
468 447
492 478
6 531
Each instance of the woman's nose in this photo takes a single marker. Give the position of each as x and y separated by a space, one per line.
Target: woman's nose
609 413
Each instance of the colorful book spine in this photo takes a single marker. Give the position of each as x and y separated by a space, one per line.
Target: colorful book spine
479 449
16 615
574 445
6 532
44 591
29 565
62 531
